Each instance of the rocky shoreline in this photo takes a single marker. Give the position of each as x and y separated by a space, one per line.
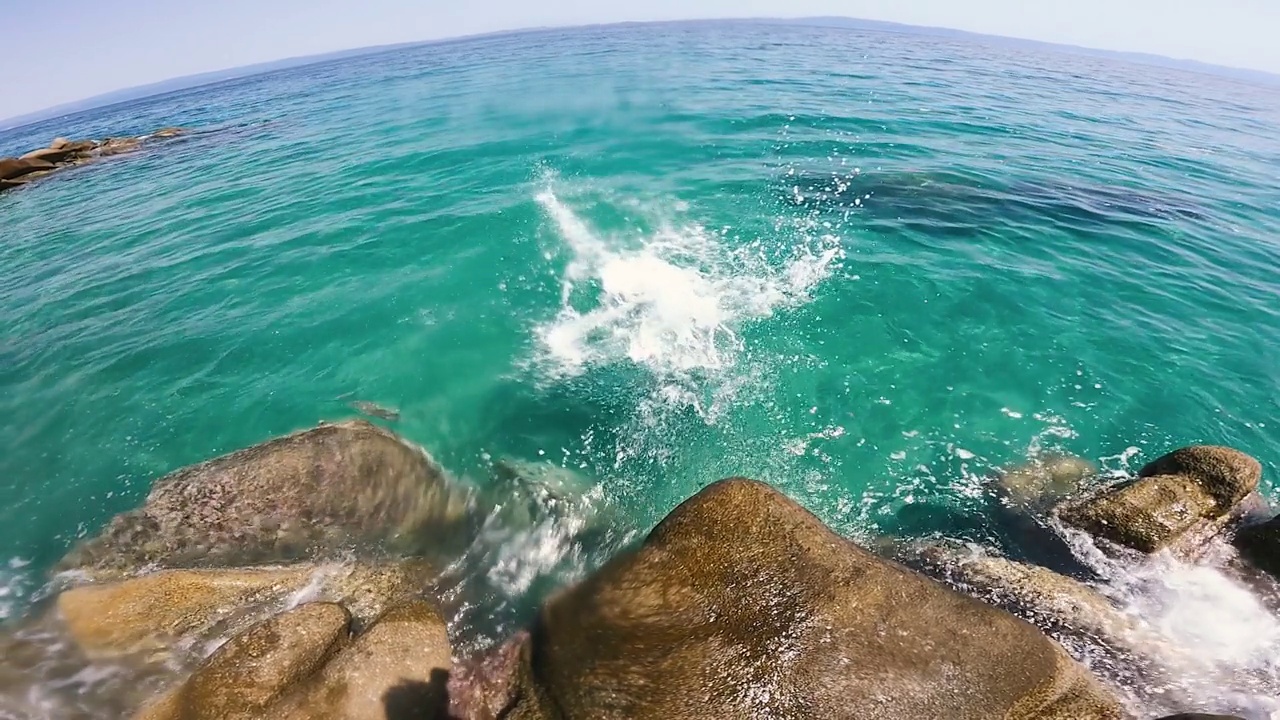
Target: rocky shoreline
16 172
294 580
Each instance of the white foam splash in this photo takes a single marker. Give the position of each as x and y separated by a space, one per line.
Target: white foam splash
671 302
1214 639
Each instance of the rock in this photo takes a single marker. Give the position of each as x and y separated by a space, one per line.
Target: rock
118 146
1041 482
741 604
1260 545
1045 598
1225 473
168 132
255 669
337 486
80 147
159 612
1177 502
53 155
11 168
59 143
1200 716
483 689
398 669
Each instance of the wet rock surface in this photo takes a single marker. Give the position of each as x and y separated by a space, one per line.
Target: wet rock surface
1176 502
741 604
255 669
176 610
341 486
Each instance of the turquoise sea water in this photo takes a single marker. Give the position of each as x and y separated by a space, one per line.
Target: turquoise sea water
869 268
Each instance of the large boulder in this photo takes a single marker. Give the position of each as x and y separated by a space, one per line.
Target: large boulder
254 670
1176 502
53 155
337 486
398 669
1260 545
169 610
741 604
11 168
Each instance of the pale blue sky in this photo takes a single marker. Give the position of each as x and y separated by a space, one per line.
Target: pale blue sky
62 50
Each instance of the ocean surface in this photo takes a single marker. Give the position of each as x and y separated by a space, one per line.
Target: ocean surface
869 268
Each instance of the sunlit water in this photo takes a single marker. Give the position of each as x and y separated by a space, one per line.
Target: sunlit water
869 268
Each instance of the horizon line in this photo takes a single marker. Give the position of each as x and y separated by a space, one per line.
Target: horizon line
234 72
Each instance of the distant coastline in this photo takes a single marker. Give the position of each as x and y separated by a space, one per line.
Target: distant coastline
208 78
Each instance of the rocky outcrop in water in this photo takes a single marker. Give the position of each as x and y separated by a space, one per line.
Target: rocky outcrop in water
63 153
1176 502
741 604
301 666
162 611
340 486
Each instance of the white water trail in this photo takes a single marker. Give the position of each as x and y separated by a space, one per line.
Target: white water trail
672 302
1213 641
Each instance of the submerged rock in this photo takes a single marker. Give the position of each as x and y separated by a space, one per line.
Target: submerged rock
173 610
1179 500
1042 482
345 485
741 604
524 494
257 668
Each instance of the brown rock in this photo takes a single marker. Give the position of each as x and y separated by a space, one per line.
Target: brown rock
80 147
398 669
1178 501
159 612
1043 481
339 486
255 669
1228 475
169 132
741 604
117 146
484 688
53 155
59 143
11 168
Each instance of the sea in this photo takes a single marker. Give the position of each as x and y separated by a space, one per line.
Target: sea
870 268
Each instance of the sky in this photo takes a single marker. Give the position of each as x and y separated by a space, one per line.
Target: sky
59 51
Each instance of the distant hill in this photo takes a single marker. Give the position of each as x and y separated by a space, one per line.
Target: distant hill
191 81
1256 76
